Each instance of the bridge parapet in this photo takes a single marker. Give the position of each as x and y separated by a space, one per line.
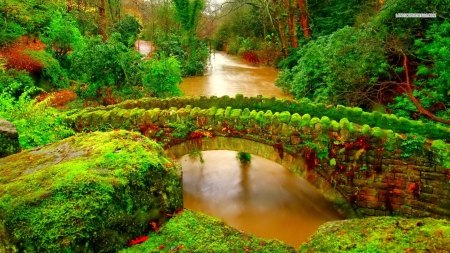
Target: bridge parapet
367 165
259 103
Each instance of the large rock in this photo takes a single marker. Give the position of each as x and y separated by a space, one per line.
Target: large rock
88 193
196 232
9 138
381 234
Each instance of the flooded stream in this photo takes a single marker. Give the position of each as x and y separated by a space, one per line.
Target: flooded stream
262 198
230 75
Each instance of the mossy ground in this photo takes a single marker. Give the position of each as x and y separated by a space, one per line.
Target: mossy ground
195 232
381 234
88 193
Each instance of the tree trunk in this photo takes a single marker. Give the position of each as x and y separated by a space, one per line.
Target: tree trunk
415 101
302 5
278 19
292 28
102 26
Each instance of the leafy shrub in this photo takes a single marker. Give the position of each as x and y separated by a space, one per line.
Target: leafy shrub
37 123
51 69
129 28
244 157
339 68
162 76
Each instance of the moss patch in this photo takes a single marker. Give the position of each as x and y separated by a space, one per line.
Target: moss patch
195 232
381 234
88 193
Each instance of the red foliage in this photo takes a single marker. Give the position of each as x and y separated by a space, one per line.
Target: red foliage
138 240
59 99
251 56
279 147
147 128
18 59
415 188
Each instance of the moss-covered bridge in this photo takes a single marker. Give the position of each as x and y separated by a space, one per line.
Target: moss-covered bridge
364 163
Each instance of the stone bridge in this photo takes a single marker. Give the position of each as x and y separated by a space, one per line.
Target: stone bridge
360 165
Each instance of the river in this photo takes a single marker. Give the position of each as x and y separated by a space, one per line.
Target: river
262 198
230 75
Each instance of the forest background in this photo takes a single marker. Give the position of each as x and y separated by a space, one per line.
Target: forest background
354 53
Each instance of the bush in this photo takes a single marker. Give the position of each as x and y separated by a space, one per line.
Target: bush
162 76
37 123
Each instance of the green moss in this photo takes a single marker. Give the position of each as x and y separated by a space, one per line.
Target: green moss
295 120
305 120
195 232
194 112
267 117
260 117
285 117
245 115
87 193
326 122
314 121
227 112
381 234
378 132
212 111
235 113
366 130
344 123
220 114
253 115
335 125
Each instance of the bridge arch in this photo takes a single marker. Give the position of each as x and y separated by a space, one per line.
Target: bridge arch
294 163
368 164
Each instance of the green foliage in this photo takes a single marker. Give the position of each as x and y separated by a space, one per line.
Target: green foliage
14 83
181 130
61 36
197 153
162 76
51 69
335 68
37 123
411 145
321 149
56 200
244 157
195 232
21 17
129 28
435 81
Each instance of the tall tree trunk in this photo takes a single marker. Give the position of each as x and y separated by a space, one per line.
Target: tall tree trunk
102 26
292 28
278 19
304 17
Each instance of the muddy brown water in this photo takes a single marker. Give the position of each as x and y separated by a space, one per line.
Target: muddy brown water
230 75
262 198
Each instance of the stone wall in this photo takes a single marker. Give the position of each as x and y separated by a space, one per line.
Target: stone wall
364 164
9 138
259 103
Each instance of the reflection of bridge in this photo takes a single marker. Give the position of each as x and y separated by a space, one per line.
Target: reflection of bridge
355 167
144 47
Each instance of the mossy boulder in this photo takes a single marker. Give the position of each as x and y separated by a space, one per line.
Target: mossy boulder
88 193
196 232
9 138
381 234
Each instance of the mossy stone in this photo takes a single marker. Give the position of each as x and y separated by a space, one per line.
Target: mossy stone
88 193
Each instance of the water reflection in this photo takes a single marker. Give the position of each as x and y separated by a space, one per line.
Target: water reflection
229 75
262 198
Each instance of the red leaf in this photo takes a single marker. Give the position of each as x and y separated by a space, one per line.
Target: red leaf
138 240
